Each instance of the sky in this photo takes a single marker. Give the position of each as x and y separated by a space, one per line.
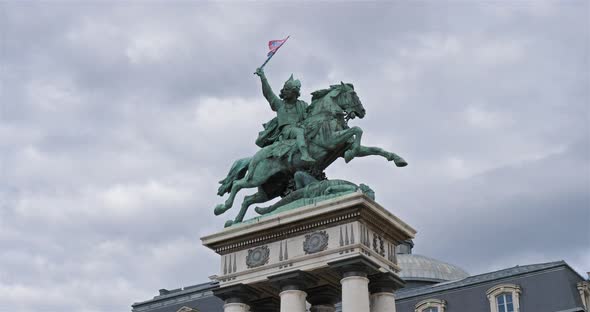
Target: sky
117 119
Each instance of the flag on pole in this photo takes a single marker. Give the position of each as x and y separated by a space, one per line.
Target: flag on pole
274 45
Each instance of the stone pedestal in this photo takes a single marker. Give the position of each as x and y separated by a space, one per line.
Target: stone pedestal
341 244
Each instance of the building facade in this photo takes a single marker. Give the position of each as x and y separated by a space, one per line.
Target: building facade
436 286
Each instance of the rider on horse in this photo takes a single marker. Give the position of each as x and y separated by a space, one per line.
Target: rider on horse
290 114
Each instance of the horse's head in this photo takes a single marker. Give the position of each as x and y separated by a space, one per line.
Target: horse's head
341 97
346 98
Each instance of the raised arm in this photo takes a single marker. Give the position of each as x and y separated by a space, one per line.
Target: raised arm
270 96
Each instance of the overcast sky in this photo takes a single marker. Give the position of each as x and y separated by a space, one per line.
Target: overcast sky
117 121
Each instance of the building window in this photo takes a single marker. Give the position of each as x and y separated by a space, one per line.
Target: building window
504 302
504 298
431 305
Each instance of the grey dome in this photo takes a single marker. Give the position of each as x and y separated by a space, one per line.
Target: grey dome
421 268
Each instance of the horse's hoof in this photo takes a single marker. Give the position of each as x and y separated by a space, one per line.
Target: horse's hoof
400 162
228 223
219 209
348 156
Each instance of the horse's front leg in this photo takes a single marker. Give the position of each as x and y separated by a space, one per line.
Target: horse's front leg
343 136
369 151
236 187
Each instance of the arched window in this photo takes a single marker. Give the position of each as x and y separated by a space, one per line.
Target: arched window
431 305
504 298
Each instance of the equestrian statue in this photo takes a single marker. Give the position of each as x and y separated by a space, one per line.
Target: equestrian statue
297 146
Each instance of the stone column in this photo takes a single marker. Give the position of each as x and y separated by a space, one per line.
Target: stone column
382 302
323 298
355 284
355 292
236 307
236 297
292 287
293 300
382 287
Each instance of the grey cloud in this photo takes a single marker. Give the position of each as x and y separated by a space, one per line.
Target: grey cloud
105 112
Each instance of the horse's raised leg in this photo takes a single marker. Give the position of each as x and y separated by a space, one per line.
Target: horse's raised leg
343 136
369 151
236 187
356 145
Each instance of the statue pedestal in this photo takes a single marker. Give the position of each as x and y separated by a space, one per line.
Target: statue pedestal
345 245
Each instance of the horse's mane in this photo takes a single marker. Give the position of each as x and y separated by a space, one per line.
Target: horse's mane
320 94
316 95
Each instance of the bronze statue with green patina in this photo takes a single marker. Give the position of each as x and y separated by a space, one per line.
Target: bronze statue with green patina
302 138
290 114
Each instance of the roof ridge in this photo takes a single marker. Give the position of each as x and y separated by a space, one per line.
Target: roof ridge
481 278
552 263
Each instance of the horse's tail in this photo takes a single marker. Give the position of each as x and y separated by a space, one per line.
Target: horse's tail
237 171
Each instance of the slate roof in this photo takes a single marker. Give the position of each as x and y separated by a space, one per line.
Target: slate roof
198 296
477 279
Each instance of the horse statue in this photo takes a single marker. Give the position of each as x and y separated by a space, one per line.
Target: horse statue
329 137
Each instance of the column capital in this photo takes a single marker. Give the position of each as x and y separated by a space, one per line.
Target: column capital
269 304
236 294
355 266
294 280
385 282
323 295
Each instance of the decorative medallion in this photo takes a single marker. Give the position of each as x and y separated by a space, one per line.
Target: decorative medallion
315 242
257 256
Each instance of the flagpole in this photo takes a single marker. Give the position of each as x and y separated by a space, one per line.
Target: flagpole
267 59
273 53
